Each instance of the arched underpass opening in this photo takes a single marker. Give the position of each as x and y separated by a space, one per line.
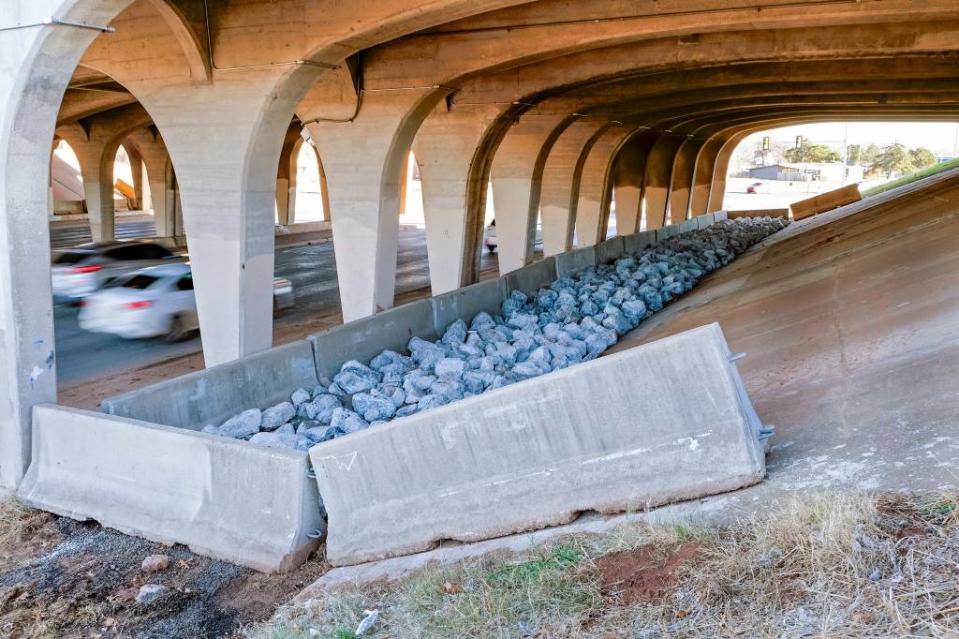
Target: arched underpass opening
773 168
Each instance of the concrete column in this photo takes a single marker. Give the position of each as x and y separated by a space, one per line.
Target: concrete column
136 169
629 171
283 200
225 139
703 177
681 180
98 191
659 169
560 191
445 148
717 190
517 176
32 97
404 184
286 174
595 186
363 160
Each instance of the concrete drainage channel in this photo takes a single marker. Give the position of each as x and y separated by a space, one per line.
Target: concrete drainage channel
517 457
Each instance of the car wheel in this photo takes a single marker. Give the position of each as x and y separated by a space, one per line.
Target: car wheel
178 331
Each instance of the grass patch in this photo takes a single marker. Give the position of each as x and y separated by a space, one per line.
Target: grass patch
912 177
838 565
16 521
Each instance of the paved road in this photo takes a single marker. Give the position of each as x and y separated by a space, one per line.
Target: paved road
83 356
67 234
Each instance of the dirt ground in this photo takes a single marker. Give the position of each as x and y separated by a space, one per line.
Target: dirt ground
62 578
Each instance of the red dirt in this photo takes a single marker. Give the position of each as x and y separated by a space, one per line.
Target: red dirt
645 574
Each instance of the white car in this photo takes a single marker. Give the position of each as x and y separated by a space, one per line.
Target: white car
154 302
82 271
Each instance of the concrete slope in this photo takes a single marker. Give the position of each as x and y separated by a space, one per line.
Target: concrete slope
851 325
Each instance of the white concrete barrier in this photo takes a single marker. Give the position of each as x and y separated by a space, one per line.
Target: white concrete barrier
213 395
223 498
659 423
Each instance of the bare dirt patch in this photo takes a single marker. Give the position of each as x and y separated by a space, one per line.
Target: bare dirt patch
643 574
62 578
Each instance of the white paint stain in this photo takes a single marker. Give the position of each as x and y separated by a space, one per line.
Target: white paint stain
343 462
35 374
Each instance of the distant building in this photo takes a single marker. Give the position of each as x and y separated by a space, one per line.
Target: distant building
808 172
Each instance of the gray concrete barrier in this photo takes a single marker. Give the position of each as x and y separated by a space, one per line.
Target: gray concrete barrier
702 221
571 261
366 338
467 302
532 277
540 452
223 498
611 250
638 241
215 394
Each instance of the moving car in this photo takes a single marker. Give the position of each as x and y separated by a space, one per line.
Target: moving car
154 302
79 272
489 237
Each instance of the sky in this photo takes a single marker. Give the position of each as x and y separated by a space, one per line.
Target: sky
939 137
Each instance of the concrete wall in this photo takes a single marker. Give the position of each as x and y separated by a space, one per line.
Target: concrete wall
213 395
540 452
825 202
223 498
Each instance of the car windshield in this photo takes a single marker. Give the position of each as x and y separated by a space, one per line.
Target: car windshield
140 281
72 257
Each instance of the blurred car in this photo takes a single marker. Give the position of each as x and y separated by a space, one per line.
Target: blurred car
754 187
82 271
489 237
154 302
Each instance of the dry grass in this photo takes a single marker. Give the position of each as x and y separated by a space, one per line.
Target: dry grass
17 522
840 565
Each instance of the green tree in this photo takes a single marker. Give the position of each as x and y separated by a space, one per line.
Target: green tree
869 154
812 153
921 158
893 159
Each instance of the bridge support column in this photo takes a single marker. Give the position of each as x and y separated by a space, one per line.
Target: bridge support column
560 191
363 160
681 180
517 173
659 170
595 186
703 177
445 149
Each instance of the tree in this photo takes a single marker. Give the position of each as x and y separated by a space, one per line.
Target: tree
893 159
921 158
812 153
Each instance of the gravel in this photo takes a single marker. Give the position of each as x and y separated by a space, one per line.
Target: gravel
574 319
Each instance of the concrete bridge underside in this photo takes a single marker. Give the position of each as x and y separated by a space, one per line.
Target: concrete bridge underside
562 107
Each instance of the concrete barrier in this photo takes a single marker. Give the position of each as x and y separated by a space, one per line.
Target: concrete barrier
465 303
213 395
531 278
223 498
719 216
825 202
571 261
611 250
638 241
366 338
735 215
702 221
540 452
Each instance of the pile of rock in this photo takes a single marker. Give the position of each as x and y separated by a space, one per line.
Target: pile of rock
573 320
